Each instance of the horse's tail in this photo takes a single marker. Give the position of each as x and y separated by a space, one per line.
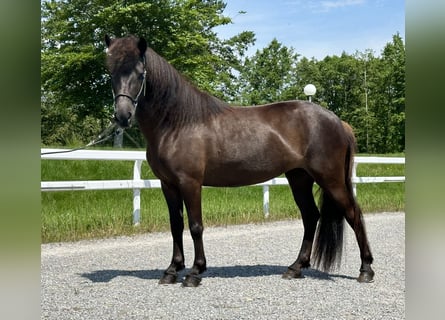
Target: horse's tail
328 243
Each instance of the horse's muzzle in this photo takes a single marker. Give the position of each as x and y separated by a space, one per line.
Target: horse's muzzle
123 120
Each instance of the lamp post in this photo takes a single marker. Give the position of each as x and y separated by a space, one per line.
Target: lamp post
309 90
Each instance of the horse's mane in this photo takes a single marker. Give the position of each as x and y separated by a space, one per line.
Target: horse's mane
169 97
174 99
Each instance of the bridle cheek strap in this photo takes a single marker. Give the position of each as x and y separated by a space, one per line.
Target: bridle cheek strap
133 100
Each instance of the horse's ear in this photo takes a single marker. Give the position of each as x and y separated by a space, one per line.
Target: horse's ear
142 45
107 40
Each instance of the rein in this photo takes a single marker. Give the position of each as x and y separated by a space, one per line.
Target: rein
107 134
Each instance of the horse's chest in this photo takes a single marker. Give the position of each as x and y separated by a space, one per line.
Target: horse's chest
158 167
168 167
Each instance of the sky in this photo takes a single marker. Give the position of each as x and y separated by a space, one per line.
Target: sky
317 28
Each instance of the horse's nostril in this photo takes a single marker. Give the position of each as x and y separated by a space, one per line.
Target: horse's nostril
129 115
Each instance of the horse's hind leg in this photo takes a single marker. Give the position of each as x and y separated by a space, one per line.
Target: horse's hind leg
301 185
175 209
354 218
344 198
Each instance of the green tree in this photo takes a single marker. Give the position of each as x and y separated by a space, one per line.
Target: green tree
390 108
74 81
229 86
379 119
362 117
270 75
339 85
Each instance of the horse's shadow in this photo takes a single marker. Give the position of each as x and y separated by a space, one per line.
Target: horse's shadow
244 271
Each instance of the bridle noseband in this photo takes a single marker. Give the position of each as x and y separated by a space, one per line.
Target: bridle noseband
142 89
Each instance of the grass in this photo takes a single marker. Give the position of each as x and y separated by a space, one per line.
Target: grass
75 215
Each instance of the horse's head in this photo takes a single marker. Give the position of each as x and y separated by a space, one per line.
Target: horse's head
126 64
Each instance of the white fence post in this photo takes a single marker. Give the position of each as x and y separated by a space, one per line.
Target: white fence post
137 193
353 178
266 201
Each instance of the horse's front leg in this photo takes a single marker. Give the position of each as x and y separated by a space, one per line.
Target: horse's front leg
191 192
175 209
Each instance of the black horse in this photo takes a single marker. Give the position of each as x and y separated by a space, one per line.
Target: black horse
194 139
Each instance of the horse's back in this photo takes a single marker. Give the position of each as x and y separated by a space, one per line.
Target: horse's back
297 121
247 145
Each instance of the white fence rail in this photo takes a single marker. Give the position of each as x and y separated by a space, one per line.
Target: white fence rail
137 183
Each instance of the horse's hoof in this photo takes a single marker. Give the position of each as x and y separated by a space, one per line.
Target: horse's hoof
292 274
366 277
191 280
168 279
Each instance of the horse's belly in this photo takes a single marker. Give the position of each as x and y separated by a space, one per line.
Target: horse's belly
235 179
265 156
234 174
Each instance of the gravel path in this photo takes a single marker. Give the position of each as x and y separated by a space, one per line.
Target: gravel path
118 278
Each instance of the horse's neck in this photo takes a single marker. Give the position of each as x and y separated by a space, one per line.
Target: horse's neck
171 101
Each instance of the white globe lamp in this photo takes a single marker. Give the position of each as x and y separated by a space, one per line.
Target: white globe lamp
310 90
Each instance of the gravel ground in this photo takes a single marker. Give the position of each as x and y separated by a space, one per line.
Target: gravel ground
118 278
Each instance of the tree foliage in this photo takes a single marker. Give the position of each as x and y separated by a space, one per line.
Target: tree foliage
269 74
366 90
74 82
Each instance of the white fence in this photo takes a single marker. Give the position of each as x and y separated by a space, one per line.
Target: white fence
137 183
